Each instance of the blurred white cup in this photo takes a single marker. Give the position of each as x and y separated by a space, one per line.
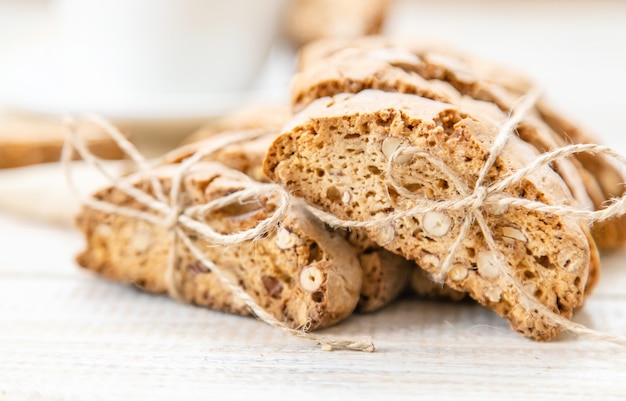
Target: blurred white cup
167 46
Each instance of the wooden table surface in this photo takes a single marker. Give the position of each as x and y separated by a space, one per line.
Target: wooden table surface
68 335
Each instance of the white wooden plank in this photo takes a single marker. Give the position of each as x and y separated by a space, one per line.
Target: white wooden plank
82 337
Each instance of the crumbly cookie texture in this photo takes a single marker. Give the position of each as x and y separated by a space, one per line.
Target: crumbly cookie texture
342 145
26 141
385 275
437 72
301 273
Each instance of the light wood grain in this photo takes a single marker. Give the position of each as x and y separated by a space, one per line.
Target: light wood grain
66 334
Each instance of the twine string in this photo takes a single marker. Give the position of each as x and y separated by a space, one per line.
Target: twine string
472 204
169 213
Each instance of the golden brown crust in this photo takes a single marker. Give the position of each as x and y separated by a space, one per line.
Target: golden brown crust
440 73
303 274
346 133
386 275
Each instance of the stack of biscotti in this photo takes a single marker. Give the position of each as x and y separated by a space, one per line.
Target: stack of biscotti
304 273
386 274
359 101
439 73
335 154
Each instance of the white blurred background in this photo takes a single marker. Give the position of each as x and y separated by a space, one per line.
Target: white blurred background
575 49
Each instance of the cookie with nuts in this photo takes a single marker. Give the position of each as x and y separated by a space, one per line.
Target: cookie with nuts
440 73
540 264
385 275
301 273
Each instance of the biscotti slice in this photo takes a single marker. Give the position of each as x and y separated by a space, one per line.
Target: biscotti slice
385 275
468 74
25 141
301 273
335 66
352 66
413 68
609 234
343 145
348 71
501 86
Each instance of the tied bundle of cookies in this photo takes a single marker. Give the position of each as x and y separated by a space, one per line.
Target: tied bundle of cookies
404 165
296 273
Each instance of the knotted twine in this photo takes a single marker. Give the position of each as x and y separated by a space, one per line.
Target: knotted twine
485 197
474 203
167 212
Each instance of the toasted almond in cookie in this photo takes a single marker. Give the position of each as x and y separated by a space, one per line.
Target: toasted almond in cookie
345 134
313 280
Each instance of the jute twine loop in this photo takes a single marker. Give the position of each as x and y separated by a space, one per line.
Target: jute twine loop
472 204
487 196
169 213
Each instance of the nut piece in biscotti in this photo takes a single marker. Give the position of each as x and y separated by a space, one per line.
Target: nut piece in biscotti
307 20
385 275
301 273
348 66
25 141
547 256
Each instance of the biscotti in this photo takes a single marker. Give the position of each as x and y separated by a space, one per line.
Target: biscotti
385 275
303 274
341 66
342 145
26 141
